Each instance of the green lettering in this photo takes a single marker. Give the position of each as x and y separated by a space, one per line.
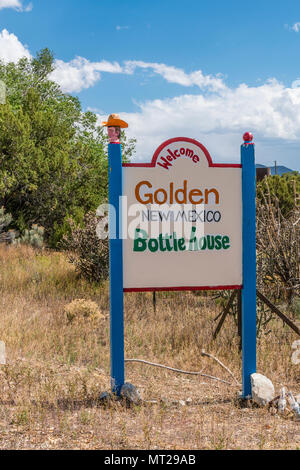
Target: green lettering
175 241
202 243
161 242
153 244
169 248
181 244
140 244
218 244
193 240
225 242
210 242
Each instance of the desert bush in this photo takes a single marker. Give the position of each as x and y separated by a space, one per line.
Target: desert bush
5 220
33 237
86 251
278 249
82 310
281 191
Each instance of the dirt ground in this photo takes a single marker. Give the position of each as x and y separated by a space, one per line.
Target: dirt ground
177 412
56 368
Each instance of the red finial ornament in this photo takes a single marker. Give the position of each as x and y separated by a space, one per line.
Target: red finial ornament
248 137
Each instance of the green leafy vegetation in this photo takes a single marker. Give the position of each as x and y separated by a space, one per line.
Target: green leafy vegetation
53 157
281 190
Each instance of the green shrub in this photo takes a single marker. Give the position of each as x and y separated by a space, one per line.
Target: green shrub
281 191
87 252
5 220
33 237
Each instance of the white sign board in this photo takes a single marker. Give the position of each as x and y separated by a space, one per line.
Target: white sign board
182 221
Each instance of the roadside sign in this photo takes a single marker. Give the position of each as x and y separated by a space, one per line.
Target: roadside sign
182 222
183 218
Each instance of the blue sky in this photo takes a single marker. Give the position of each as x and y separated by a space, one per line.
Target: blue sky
207 69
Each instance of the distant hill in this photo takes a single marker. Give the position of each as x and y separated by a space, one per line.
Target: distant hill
280 169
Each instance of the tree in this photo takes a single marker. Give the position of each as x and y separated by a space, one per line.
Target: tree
281 190
53 158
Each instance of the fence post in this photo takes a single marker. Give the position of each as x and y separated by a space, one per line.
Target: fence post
249 264
116 268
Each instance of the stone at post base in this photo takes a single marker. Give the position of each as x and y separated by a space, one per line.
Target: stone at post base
131 394
262 389
105 397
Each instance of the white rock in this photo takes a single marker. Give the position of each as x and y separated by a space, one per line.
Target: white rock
294 404
2 353
262 389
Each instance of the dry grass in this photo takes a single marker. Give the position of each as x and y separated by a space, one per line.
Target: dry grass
56 369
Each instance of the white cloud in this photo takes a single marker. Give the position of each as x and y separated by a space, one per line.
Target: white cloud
119 28
271 111
28 8
296 83
296 27
217 115
15 4
10 4
11 49
176 75
80 73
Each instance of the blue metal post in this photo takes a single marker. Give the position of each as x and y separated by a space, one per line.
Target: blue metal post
116 269
249 265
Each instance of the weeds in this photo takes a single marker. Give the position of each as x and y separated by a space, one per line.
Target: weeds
56 368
